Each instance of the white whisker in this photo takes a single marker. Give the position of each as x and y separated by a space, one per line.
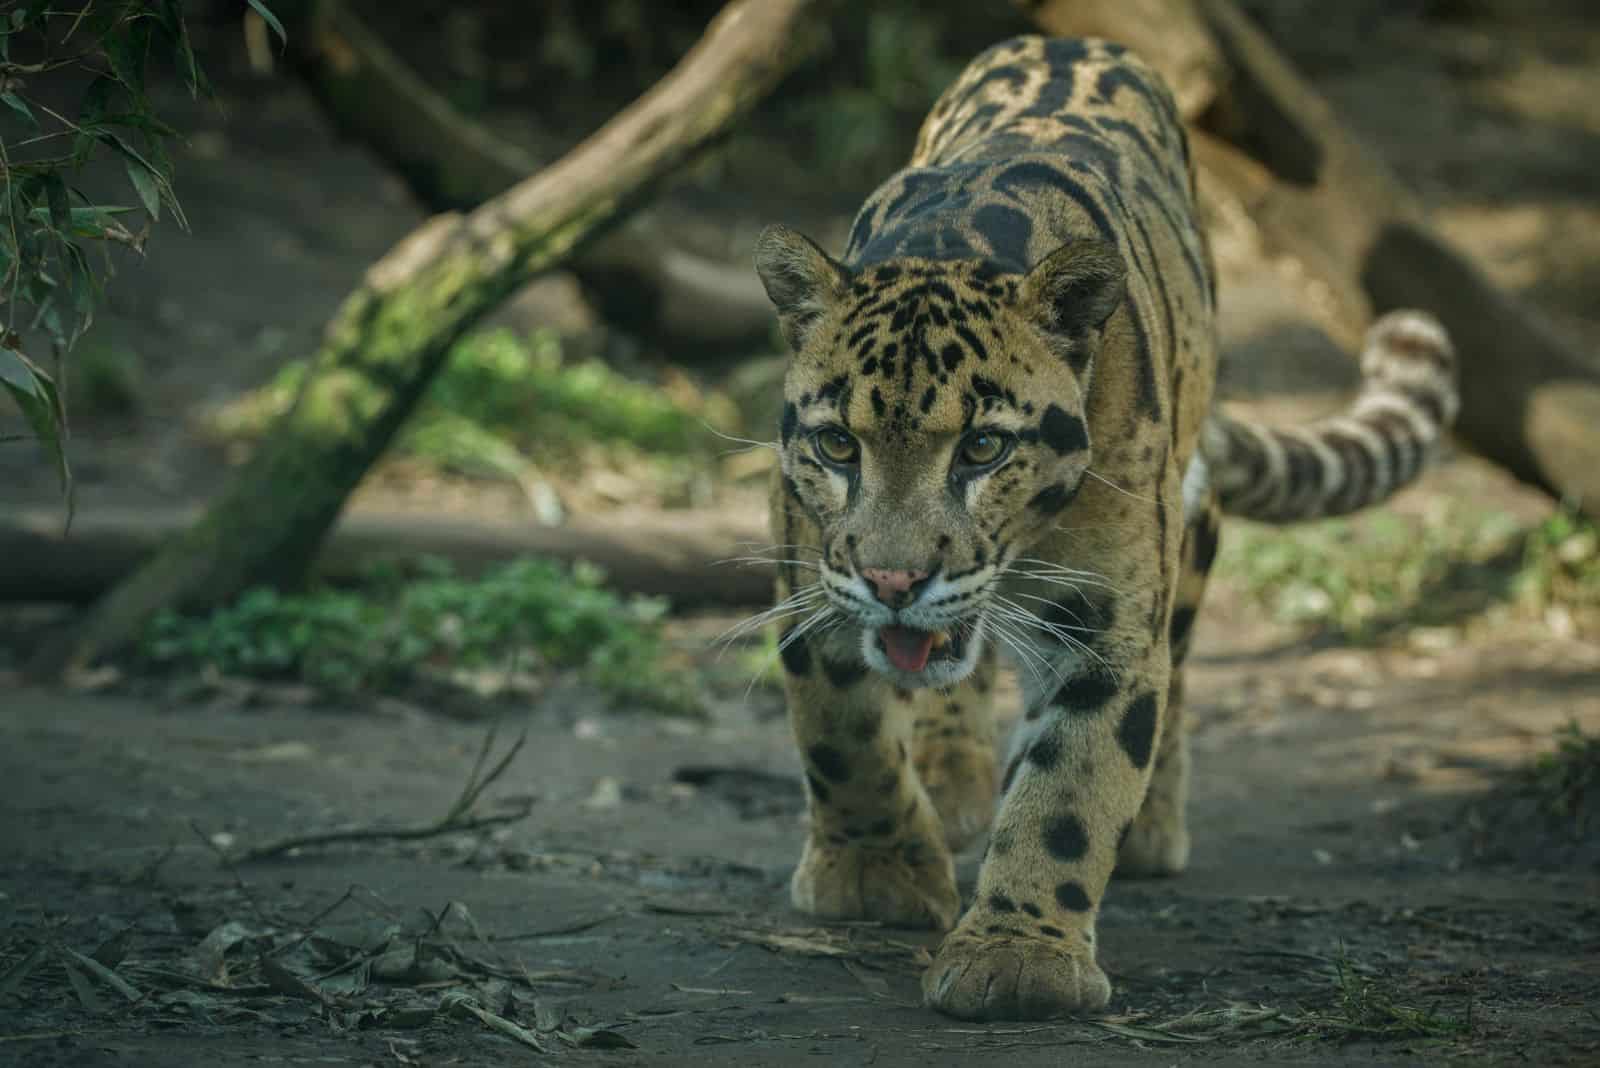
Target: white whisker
1125 492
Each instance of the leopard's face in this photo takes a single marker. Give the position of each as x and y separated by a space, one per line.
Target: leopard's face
933 429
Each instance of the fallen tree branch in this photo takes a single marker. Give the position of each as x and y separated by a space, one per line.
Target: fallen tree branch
454 163
1274 146
457 819
687 557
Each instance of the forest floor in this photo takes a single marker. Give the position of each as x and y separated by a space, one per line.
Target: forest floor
1372 882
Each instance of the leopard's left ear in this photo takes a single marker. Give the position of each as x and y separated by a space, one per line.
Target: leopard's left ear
802 281
1075 289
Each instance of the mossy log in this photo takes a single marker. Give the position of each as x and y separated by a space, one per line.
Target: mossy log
384 345
1271 143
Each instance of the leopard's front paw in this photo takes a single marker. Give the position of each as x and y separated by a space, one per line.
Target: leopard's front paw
910 885
1013 977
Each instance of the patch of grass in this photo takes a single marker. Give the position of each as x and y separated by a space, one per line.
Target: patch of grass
503 404
1367 1006
1566 781
1367 577
400 628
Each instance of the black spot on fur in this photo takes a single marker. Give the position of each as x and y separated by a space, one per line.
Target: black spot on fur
829 761
929 395
791 420
1205 544
1045 754
1086 694
1137 732
1031 909
1062 431
819 789
998 902
1052 499
1182 623
1065 839
1008 231
1052 932
843 673
796 654
1072 896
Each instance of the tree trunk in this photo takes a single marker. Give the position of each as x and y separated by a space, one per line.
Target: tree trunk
1269 141
696 305
685 556
384 345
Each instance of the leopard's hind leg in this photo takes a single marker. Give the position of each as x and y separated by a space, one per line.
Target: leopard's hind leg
1158 841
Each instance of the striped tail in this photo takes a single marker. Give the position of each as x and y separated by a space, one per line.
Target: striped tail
1352 460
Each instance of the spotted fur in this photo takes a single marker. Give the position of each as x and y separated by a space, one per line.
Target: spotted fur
1002 394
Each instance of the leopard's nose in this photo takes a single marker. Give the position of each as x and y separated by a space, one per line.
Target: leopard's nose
895 588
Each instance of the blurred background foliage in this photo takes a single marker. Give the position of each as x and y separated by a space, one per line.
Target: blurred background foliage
570 403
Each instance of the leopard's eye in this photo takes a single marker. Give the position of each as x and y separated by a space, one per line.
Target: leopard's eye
836 446
982 448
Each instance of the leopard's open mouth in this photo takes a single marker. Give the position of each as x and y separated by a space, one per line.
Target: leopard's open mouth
910 649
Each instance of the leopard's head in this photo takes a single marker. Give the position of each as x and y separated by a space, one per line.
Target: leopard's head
933 428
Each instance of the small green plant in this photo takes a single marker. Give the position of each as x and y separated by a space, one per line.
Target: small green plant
1367 1005
1566 781
1364 577
1560 564
502 403
405 624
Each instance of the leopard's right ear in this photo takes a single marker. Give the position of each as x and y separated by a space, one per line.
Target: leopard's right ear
802 281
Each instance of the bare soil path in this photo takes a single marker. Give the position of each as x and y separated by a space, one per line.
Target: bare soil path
1335 912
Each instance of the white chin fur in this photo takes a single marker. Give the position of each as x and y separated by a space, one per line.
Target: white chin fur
937 674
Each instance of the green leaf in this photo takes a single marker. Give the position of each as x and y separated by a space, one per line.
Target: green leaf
139 121
125 46
34 392
20 106
144 183
97 99
270 19
94 221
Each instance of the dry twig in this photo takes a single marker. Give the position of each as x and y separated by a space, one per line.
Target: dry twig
458 818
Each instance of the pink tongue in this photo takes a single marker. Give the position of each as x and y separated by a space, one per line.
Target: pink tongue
908 649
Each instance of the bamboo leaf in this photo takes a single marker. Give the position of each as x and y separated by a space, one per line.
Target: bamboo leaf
144 184
270 19
34 392
104 974
20 106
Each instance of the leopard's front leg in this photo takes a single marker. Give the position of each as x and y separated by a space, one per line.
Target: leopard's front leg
1026 948
875 849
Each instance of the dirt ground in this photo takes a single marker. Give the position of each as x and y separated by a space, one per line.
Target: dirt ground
1349 900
